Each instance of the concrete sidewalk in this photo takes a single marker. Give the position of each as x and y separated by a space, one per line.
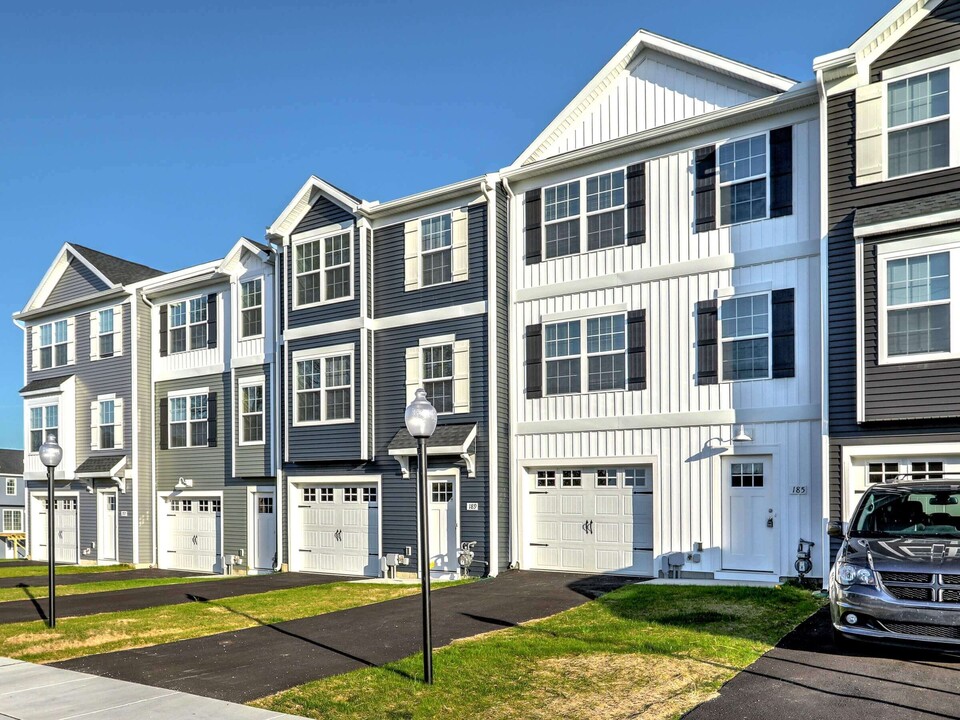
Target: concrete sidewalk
41 692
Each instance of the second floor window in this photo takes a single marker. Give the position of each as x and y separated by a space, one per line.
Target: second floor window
322 270
436 250
742 166
438 376
44 420
918 305
918 123
107 423
106 334
188 325
251 413
324 389
54 340
603 355
745 337
563 357
12 521
606 358
251 308
188 421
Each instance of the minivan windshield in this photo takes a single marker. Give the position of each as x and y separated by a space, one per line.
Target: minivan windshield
908 513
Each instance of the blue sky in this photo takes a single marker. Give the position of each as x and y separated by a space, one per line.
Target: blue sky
163 133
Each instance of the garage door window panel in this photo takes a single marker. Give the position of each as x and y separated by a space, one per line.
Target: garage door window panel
546 478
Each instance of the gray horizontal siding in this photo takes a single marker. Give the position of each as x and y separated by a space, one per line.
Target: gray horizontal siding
321 214
325 443
938 33
15 500
76 282
390 298
145 501
254 460
339 310
503 379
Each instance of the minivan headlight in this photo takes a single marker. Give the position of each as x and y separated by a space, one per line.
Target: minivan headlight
854 575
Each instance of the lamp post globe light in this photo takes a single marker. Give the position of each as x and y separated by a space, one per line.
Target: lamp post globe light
420 418
50 455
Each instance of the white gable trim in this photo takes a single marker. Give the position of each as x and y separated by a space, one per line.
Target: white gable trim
302 202
56 270
234 254
643 39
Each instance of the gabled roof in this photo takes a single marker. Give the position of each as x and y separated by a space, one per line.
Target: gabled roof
47 383
644 40
303 201
101 466
901 19
11 462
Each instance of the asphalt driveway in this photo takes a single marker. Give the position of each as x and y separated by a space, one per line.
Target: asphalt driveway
806 678
157 595
41 580
252 663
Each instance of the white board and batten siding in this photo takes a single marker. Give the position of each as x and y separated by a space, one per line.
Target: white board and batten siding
674 425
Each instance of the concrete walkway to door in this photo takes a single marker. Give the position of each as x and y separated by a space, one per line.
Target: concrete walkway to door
259 661
157 595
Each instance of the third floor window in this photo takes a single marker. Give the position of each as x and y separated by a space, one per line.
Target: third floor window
251 308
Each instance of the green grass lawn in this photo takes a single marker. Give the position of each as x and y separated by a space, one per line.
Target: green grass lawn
40 591
641 651
89 635
31 570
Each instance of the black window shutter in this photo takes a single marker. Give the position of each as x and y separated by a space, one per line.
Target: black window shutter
164 424
212 320
532 230
212 419
534 361
707 351
637 350
784 355
781 171
163 331
706 188
636 204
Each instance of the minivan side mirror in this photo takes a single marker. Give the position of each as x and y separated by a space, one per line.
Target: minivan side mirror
835 529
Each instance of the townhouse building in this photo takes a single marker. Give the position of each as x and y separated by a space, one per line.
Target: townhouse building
891 183
12 505
82 343
211 374
377 300
665 355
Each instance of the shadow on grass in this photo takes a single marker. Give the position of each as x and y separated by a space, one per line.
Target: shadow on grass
276 628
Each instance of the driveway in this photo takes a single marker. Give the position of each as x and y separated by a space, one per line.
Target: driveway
807 677
248 664
41 580
156 595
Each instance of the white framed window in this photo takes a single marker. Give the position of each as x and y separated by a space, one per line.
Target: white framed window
881 470
323 269
743 172
591 207
11 484
571 479
607 477
12 520
188 420
546 478
603 355
745 347
622 477
438 376
107 423
323 386
54 344
252 411
105 336
310 494
918 123
441 491
326 494
187 325
251 308
746 475
369 494
436 250
44 420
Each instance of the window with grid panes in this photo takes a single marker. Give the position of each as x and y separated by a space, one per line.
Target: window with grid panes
918 304
326 494
546 478
251 308
607 478
561 215
742 166
570 478
369 494
44 421
880 472
926 470
562 351
105 338
436 249
441 491
53 344
251 413
309 494
438 376
107 422
746 475
307 272
324 390
338 388
918 123
605 210
606 353
351 494
336 260
745 337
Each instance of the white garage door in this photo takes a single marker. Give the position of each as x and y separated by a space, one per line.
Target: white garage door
64 528
595 521
193 535
339 527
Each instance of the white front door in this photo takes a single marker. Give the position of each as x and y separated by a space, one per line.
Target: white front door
193 534
107 527
339 529
444 532
749 517
265 531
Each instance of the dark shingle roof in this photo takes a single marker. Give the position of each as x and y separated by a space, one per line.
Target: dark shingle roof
11 462
45 383
116 269
349 195
99 464
443 436
929 205
265 248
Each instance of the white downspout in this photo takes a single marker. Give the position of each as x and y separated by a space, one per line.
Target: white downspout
276 455
153 443
493 469
515 496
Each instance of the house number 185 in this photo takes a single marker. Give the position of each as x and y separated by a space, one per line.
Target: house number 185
798 490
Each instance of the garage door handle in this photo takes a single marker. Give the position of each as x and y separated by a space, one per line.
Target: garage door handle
538 492
591 526
539 545
305 550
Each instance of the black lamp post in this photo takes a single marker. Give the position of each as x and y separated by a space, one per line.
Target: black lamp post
421 420
50 455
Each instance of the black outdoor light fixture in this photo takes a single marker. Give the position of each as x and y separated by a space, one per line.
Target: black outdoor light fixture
50 455
420 418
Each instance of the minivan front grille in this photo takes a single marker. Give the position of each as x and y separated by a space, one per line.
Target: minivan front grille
904 577
951 595
902 592
922 587
950 579
946 632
